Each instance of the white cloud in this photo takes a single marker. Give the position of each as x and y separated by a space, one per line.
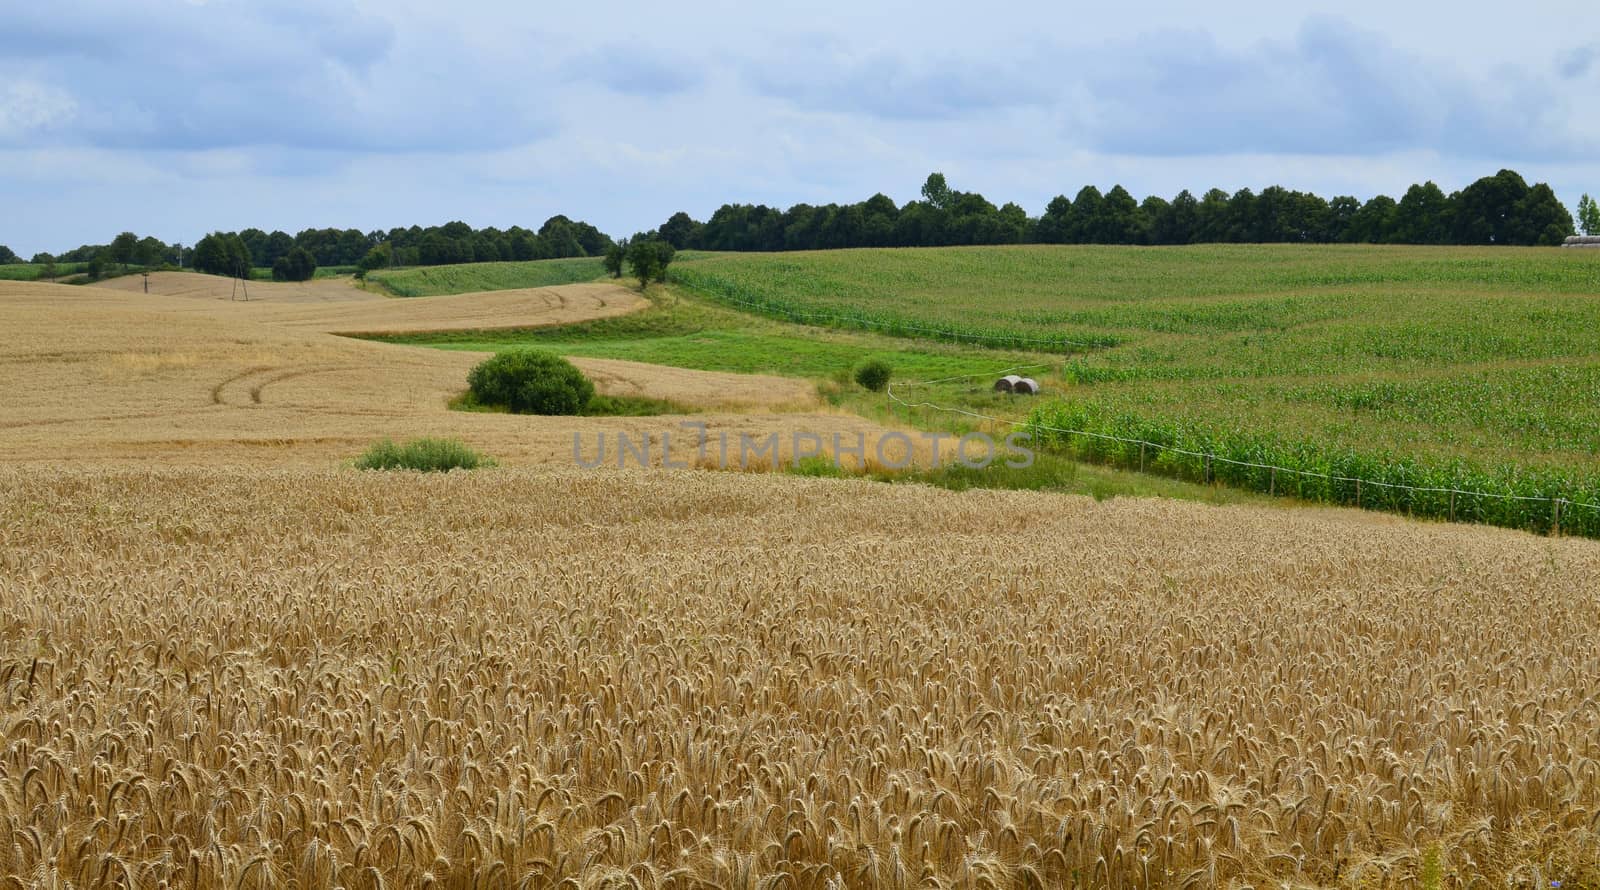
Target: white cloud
175 117
29 109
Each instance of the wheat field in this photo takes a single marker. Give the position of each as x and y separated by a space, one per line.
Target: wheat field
333 305
537 677
101 375
230 660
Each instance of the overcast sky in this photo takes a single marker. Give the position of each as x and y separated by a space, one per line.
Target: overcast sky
178 117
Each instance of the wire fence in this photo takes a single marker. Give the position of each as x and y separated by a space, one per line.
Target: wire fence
1210 460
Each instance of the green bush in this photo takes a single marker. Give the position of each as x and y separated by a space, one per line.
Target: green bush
297 265
874 375
428 455
529 381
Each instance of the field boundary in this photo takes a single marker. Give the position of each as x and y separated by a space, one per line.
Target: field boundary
1557 504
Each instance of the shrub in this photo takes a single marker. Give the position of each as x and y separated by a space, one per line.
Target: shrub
528 381
428 455
874 375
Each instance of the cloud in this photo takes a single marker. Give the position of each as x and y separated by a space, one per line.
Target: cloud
1332 90
1335 90
28 108
822 73
1579 62
304 74
636 71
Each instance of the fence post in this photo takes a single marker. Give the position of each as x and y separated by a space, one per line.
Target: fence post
1358 494
1272 486
1141 457
1556 527
1206 469
1452 505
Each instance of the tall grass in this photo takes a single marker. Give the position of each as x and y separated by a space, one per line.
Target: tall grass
426 455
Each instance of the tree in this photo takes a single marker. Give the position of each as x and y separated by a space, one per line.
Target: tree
123 248
681 231
1211 217
1422 217
7 257
278 244
49 271
664 254
1085 216
1120 221
937 192
222 253
379 257
1374 222
649 260
148 252
299 265
1055 226
1484 209
256 241
615 254
1589 215
1539 218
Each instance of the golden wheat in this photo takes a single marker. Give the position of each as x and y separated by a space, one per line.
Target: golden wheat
219 678
101 375
334 305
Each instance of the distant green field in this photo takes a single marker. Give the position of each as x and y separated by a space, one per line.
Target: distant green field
1472 368
1441 366
695 335
1472 352
264 273
31 272
428 281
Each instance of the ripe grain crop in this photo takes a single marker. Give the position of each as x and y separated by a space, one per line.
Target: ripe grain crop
336 306
224 678
99 374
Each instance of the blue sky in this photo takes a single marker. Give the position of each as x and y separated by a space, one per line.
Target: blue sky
178 117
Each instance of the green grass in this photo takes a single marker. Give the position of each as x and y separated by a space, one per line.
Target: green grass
1481 354
31 272
691 334
264 273
1475 368
426 455
1052 473
428 281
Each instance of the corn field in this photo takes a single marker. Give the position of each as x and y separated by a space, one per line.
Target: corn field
1428 354
1547 500
302 678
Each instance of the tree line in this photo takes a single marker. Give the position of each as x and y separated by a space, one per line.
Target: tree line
1498 209
449 244
294 256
